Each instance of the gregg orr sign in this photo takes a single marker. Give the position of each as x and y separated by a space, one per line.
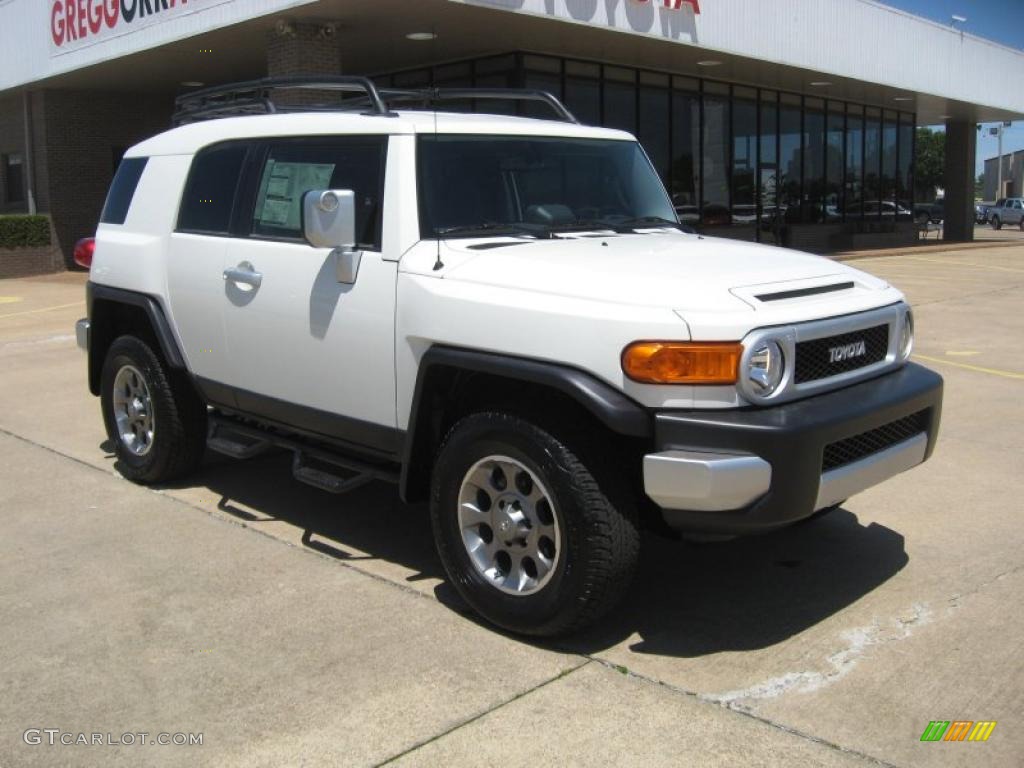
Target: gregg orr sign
78 23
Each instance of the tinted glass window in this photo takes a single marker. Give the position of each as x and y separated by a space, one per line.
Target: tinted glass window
292 169
744 160
790 161
715 205
654 124
814 162
686 155
853 205
122 190
472 185
210 191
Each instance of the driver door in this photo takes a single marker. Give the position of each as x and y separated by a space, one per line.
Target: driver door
308 351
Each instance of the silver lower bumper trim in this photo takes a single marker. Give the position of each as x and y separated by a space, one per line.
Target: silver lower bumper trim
843 482
82 334
705 482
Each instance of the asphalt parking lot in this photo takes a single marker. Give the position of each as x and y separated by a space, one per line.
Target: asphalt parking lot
291 627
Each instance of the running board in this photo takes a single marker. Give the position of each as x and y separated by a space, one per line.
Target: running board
223 439
324 480
313 464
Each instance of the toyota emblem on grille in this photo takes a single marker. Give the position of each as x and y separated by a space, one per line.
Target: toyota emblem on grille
847 351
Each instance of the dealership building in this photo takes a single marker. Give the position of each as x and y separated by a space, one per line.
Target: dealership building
783 121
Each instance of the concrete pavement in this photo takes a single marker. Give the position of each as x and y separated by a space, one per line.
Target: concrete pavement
834 642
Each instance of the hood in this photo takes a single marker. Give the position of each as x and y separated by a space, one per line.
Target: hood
667 269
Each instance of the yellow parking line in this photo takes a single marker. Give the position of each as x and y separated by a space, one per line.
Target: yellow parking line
965 264
9 299
43 309
969 367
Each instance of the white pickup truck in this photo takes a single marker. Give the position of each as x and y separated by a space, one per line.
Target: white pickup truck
503 316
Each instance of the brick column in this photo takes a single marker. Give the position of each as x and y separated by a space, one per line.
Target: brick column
961 144
302 48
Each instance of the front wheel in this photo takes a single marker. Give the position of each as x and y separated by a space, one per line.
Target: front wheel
153 417
996 223
535 540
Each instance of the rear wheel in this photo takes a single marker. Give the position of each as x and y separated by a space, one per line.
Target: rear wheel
534 539
153 417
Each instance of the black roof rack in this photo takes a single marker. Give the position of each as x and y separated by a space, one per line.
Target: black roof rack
255 97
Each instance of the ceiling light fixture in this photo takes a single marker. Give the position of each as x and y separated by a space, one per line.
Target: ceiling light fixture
708 63
820 83
903 98
192 84
421 36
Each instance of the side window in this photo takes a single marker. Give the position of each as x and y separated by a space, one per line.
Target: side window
209 196
293 168
122 190
1016 205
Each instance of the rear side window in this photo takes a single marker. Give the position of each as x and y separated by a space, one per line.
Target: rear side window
293 168
122 190
210 191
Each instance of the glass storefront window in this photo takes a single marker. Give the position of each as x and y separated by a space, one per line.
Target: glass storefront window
853 207
890 166
744 159
905 174
814 161
541 73
583 91
653 128
730 155
685 176
873 164
715 208
834 162
771 220
790 158
620 98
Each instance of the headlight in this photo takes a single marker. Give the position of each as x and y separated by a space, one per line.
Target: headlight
765 367
907 335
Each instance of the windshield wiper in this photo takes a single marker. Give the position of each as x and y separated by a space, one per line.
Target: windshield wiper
496 228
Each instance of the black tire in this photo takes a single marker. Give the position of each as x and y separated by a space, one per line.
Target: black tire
179 417
597 523
1021 223
996 223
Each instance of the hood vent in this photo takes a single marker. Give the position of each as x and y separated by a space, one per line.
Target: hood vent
799 292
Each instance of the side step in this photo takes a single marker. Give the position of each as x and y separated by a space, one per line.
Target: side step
223 439
323 479
313 464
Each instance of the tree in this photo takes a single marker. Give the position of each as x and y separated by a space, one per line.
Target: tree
930 163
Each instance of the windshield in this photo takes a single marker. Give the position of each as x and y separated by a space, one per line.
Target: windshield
475 185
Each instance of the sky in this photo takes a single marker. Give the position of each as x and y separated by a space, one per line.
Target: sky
999 20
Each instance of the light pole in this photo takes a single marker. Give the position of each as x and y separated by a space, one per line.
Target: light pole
998 132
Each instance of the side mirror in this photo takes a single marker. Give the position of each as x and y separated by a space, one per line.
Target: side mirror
329 218
329 221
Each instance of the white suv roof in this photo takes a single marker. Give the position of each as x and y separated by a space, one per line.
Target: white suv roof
189 139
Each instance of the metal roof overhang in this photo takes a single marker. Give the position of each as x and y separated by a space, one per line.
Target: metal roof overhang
750 50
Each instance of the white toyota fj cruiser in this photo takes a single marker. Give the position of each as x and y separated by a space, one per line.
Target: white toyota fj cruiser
502 315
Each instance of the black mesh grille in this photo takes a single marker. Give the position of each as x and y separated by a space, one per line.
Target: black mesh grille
814 358
857 447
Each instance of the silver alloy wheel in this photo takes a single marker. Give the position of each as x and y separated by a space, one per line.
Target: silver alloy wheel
133 410
509 525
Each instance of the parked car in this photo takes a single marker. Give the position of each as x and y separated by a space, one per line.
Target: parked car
934 212
981 213
1007 211
502 316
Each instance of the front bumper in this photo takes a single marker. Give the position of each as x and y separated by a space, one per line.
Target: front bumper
751 470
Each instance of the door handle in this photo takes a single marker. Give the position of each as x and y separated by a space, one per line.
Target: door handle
244 273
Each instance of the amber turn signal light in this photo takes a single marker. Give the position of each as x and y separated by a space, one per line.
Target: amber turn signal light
676 362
